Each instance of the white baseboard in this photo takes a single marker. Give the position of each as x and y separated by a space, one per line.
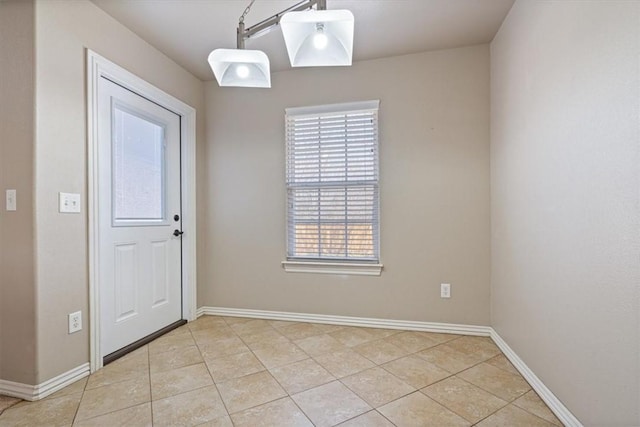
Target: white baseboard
42 390
446 328
19 390
561 411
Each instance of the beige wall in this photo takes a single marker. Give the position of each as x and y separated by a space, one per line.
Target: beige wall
17 285
63 30
434 160
565 179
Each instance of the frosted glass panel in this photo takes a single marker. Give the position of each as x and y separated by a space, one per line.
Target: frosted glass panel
138 168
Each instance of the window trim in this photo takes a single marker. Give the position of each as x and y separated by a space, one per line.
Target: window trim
345 107
340 267
330 266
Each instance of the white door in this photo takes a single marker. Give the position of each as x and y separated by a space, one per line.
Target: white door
139 216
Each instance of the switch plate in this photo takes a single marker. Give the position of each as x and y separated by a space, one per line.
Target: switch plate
12 203
445 290
75 322
69 203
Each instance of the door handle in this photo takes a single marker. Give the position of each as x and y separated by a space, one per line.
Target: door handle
178 233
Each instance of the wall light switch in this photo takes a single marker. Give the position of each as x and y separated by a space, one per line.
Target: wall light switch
69 203
12 203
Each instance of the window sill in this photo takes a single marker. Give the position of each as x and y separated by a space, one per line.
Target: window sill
323 267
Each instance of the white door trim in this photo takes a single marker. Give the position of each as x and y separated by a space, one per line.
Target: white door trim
97 67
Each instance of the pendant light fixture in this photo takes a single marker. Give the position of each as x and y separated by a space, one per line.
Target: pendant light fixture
318 38
313 38
241 67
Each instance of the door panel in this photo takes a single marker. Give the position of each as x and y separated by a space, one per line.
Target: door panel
139 194
160 272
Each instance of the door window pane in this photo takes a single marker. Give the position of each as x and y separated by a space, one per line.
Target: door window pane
138 167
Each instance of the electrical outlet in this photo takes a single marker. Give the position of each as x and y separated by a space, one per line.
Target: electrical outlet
445 290
75 322
11 202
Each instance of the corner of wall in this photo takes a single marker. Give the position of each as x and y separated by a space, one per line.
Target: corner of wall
17 281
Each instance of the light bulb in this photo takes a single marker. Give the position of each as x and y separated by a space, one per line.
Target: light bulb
242 71
320 39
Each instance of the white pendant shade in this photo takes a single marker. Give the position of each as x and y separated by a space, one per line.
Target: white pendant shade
240 67
316 38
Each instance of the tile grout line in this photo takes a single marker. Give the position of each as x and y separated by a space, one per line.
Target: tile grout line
18 400
301 410
462 379
150 384
75 414
385 417
107 385
528 411
509 402
289 396
490 392
512 402
268 370
211 375
215 385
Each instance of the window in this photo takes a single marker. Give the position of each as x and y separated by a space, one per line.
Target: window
138 168
332 184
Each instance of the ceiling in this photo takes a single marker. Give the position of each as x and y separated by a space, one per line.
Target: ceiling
187 30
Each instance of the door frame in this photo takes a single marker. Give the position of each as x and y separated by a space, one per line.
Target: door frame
97 67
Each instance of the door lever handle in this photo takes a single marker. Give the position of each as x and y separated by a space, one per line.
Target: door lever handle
178 233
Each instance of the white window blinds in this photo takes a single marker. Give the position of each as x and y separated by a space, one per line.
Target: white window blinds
332 182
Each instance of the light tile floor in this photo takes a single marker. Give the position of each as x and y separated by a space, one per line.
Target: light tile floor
224 371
